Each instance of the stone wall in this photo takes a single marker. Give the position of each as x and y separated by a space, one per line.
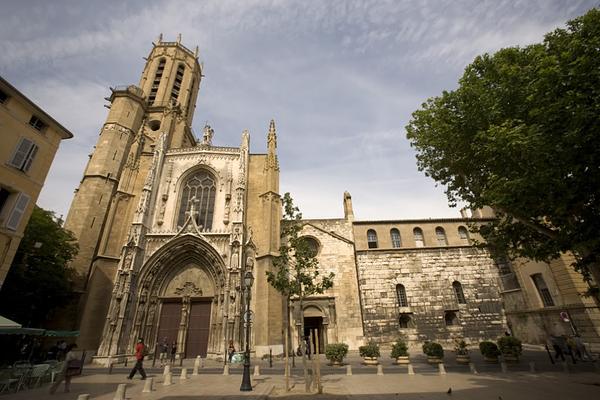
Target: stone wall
427 275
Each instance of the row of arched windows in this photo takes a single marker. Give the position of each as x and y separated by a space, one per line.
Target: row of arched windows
418 237
158 77
403 299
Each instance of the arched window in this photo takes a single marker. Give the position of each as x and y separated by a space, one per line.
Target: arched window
404 321
418 234
156 82
372 239
458 292
395 235
177 83
463 234
401 293
312 245
450 318
543 291
440 234
199 189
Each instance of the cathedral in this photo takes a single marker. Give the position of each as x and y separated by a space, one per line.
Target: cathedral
168 224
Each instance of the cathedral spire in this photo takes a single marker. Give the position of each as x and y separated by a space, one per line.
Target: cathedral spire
272 162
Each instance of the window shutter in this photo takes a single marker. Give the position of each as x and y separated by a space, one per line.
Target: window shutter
30 157
17 212
21 153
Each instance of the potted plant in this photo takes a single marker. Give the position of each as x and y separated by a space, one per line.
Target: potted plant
434 352
335 352
489 351
400 352
510 347
369 353
462 352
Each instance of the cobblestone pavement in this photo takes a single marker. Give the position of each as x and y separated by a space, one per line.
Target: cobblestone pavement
548 382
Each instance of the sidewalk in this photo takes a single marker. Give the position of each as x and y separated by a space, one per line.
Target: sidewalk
549 382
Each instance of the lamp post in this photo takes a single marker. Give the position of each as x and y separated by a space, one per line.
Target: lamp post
246 384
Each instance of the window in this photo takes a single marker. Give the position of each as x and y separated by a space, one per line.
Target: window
458 292
418 234
37 123
157 77
440 234
3 197
404 321
24 155
508 279
17 212
3 97
395 235
543 290
450 318
312 245
401 293
198 193
177 83
372 239
463 234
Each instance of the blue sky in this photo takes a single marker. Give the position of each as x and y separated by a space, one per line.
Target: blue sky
340 78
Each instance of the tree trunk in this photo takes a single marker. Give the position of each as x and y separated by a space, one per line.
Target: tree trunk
304 365
287 335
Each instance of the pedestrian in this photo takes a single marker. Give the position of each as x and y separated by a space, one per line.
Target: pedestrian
230 351
164 351
556 345
581 349
140 351
173 352
71 367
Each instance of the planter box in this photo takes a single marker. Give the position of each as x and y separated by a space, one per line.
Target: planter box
403 360
434 360
463 359
370 361
509 358
336 362
490 360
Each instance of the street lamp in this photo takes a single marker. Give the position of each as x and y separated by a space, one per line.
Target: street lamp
246 384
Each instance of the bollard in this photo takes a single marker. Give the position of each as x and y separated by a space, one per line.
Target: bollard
183 374
348 370
411 371
226 369
532 367
472 368
197 365
256 370
379 369
195 371
566 367
84 396
120 393
110 367
167 370
503 367
148 385
596 365
168 380
441 369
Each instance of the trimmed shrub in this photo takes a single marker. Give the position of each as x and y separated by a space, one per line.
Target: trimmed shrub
510 345
399 349
489 349
335 352
371 349
433 349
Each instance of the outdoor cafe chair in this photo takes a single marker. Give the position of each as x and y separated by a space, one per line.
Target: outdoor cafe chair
55 370
7 380
37 373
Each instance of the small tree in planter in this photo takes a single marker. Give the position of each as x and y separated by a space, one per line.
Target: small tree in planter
400 352
489 351
510 347
370 353
336 352
462 352
434 352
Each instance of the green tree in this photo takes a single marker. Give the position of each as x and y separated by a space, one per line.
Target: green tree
521 134
40 280
296 270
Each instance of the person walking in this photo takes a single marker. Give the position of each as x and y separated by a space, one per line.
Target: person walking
164 351
173 352
140 351
230 351
67 373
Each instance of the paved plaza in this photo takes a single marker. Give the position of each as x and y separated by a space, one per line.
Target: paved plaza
547 382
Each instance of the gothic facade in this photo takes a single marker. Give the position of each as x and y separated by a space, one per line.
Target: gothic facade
168 224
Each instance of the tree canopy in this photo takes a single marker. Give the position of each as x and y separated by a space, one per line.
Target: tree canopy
521 134
40 280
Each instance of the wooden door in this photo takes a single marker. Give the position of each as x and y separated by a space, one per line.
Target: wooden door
198 328
170 317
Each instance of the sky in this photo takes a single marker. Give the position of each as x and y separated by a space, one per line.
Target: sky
340 78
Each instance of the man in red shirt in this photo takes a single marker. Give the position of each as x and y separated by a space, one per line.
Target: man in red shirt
140 348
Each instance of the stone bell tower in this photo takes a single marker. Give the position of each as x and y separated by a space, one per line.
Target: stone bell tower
105 203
